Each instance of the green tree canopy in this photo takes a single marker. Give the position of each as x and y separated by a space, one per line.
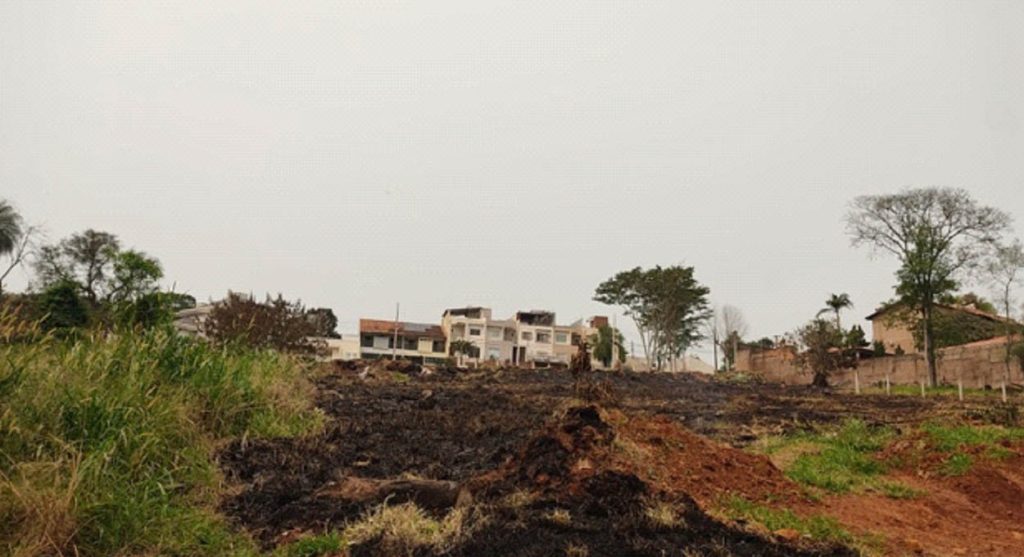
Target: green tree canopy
835 303
104 273
62 307
602 341
667 304
823 351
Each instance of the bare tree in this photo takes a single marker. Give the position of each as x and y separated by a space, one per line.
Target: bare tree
937 234
730 328
1007 270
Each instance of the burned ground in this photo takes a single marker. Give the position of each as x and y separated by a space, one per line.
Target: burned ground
501 432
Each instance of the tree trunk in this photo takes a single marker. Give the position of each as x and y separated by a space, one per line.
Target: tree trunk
1009 333
735 351
714 345
929 348
820 380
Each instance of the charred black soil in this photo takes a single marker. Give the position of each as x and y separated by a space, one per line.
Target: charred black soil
497 433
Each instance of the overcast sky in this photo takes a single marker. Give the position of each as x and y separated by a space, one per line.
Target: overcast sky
510 155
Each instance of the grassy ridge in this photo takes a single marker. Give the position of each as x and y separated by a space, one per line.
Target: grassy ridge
107 443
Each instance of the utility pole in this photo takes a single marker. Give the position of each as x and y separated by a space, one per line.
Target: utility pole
714 344
394 343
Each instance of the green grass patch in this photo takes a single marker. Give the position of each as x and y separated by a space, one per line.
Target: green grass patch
897 490
107 441
819 528
957 465
315 546
962 441
949 438
845 458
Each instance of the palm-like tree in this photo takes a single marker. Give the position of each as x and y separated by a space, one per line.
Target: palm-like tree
836 303
10 228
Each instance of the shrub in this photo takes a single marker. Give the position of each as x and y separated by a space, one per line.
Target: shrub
275 323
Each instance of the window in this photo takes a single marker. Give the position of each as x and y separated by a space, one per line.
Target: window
474 331
494 332
527 335
543 337
493 354
562 338
438 346
366 341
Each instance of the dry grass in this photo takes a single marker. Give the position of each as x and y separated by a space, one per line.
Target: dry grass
38 505
405 529
576 550
663 514
519 498
560 517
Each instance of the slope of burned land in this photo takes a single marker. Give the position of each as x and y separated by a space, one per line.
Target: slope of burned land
522 435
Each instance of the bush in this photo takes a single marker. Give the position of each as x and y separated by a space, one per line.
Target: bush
62 308
275 323
108 441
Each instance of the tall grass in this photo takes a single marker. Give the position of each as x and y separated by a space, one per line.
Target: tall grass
107 442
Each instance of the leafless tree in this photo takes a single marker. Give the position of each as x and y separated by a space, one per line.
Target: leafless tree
730 328
1006 270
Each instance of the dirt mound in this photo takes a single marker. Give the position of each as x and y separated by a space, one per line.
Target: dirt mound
677 460
585 492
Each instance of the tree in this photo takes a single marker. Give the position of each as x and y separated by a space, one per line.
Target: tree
823 350
602 343
179 301
275 323
16 256
14 238
10 227
62 307
462 347
86 258
836 303
936 234
668 306
969 299
134 275
325 322
730 328
856 338
1007 270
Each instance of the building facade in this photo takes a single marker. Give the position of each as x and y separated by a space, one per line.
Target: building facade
528 337
419 342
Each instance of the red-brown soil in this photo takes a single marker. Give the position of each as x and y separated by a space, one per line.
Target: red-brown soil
980 513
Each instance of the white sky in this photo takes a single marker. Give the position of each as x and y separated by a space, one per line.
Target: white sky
511 155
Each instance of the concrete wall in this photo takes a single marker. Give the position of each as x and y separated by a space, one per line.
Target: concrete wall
893 334
979 365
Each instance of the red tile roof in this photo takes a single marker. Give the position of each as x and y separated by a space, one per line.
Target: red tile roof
405 329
